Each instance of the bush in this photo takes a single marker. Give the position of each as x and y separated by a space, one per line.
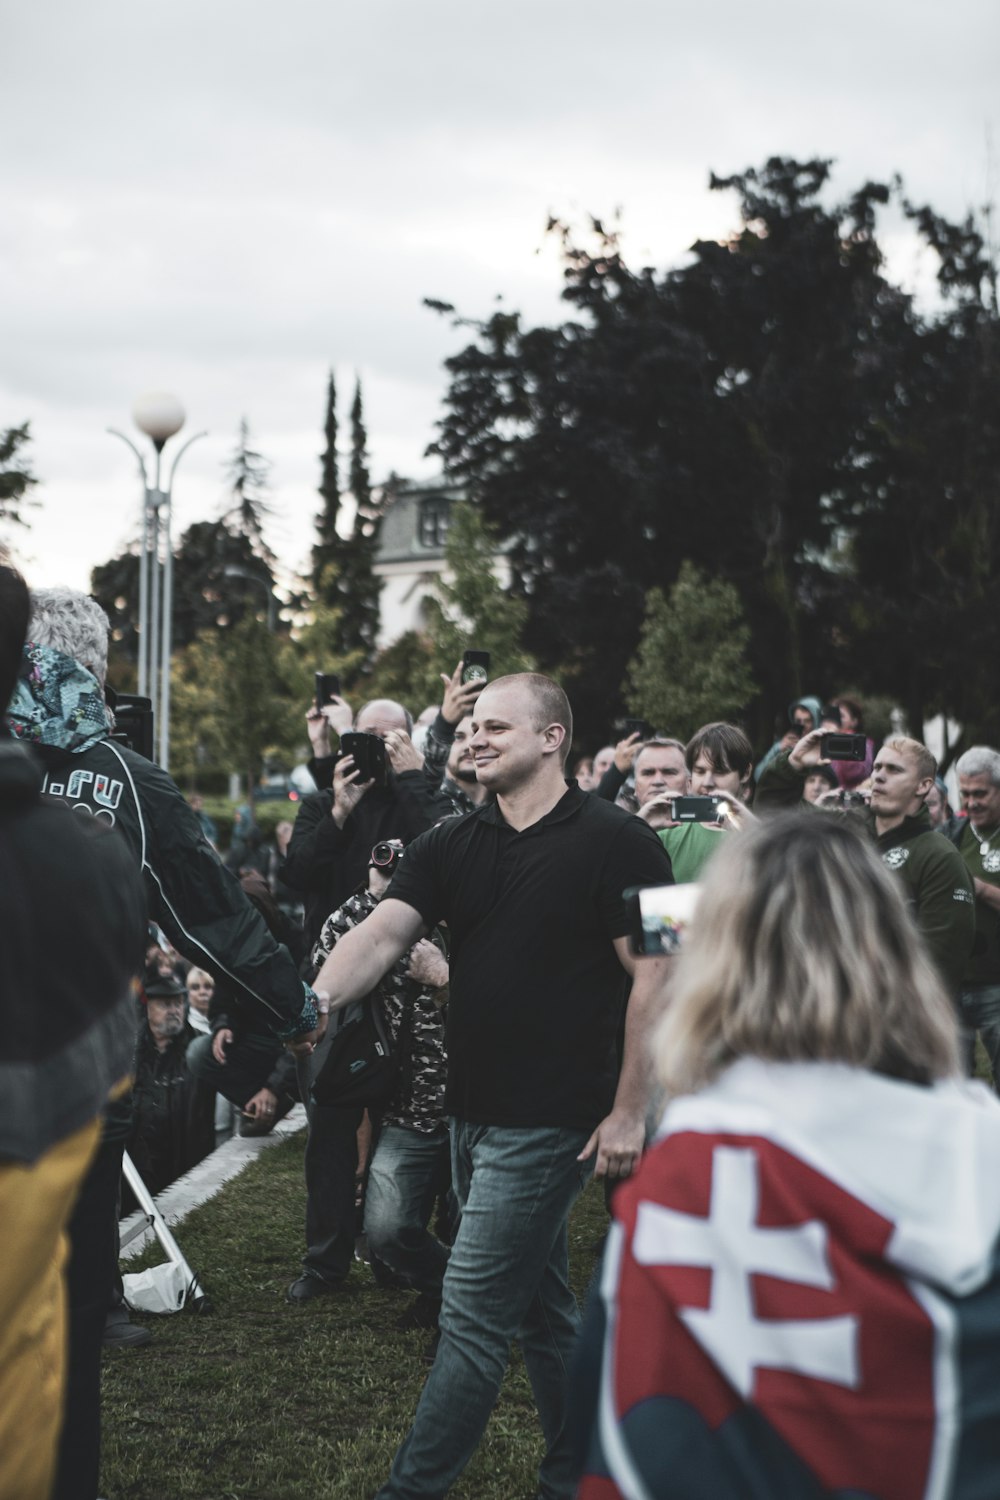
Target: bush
268 815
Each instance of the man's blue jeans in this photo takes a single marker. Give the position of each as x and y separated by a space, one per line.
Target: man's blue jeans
408 1171
507 1278
980 1008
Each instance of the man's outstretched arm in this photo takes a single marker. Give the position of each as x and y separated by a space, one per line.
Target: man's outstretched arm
367 952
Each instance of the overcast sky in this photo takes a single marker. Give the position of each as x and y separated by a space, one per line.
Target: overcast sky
223 200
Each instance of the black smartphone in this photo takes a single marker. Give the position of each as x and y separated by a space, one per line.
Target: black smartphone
658 916
475 666
843 747
327 688
641 727
695 809
368 754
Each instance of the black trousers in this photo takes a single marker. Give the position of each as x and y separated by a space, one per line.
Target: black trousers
331 1165
93 1261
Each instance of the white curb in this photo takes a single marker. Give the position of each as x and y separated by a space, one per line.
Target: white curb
208 1178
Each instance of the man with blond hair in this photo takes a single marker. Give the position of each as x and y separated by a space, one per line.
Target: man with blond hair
531 885
938 884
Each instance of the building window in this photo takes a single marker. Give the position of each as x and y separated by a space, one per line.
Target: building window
432 522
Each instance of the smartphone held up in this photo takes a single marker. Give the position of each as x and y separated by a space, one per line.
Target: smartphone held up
327 689
475 666
368 753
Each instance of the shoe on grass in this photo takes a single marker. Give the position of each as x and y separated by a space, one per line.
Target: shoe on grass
307 1288
119 1333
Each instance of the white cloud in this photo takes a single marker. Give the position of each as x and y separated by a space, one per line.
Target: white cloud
222 199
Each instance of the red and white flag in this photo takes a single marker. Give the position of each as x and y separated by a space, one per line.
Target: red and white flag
800 1298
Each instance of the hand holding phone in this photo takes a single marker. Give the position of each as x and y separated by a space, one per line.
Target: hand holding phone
368 754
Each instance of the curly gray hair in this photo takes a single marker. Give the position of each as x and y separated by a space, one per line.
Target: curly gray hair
73 623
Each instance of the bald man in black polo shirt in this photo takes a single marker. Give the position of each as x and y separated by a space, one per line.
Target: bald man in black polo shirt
531 888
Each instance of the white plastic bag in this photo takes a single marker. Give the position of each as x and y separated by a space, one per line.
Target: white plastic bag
161 1289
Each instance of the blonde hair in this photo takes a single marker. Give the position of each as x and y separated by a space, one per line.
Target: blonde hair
923 759
802 949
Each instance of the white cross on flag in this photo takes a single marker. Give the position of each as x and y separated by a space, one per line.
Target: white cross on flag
799 1298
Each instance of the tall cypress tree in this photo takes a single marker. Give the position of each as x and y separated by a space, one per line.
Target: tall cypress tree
343 567
358 587
328 549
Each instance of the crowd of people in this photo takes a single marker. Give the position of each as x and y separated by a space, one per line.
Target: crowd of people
470 905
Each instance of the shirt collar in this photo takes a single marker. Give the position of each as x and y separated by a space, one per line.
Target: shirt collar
568 806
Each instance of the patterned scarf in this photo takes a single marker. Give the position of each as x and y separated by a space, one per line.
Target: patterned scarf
57 702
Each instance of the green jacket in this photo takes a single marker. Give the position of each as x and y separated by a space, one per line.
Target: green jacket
938 885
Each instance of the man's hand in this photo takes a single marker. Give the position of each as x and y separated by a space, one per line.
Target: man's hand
807 751
402 752
262 1106
734 814
306 1042
428 965
656 812
347 790
459 697
334 715
618 1142
625 752
220 1041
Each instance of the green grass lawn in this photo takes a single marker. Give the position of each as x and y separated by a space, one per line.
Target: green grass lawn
260 1399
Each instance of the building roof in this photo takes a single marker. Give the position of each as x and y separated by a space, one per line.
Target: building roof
399 535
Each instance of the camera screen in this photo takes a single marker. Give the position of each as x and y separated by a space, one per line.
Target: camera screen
660 915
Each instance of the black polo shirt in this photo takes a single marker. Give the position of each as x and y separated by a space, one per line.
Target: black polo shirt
536 986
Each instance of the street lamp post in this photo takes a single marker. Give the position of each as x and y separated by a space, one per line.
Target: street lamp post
159 416
236 570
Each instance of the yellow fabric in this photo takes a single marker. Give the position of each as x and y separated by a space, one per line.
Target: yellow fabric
35 1205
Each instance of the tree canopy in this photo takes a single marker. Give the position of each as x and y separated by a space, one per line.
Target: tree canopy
769 412
16 478
690 666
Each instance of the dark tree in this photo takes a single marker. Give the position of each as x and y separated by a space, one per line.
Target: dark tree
925 548
327 548
731 412
218 580
346 582
248 477
16 478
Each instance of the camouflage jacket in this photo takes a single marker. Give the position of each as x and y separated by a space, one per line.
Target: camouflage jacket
418 1102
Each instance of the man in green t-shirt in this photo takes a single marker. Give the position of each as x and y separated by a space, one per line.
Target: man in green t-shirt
976 835
719 760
